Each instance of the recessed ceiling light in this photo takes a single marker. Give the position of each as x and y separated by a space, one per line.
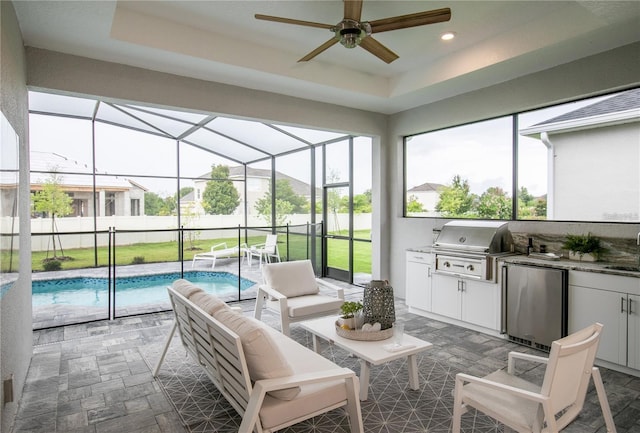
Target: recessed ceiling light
447 36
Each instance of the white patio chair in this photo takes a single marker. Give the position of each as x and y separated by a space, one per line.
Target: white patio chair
292 291
267 250
220 251
526 407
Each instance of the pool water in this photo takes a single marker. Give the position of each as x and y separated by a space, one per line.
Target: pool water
143 289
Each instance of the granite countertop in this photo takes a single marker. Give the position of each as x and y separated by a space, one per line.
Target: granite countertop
599 267
562 263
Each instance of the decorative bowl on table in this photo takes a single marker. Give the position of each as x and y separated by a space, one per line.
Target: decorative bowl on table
359 334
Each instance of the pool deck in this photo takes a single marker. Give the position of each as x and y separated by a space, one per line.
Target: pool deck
48 316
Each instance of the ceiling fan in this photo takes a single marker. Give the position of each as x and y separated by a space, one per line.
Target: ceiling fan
351 32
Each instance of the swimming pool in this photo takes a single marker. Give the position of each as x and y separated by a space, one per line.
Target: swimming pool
143 289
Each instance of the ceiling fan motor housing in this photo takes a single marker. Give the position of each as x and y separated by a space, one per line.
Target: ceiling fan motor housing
350 32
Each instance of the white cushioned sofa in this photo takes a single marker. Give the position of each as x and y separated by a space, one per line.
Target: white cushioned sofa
271 380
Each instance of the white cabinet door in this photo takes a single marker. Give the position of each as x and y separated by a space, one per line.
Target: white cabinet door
634 332
418 285
481 303
587 306
445 296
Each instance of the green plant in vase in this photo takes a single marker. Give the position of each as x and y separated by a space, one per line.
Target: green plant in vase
584 244
349 310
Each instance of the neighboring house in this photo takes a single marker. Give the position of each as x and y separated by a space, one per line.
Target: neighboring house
599 141
258 184
427 194
115 195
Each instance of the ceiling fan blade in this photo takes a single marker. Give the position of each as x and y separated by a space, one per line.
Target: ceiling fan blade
352 9
292 21
318 50
411 20
378 50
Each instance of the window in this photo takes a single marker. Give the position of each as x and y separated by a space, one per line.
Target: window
110 204
575 162
461 172
135 207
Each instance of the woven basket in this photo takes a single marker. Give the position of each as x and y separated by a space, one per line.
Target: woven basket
356 334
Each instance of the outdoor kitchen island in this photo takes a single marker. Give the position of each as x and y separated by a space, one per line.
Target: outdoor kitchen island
597 292
456 279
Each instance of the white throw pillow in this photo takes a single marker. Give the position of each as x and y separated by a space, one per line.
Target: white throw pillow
185 288
291 278
263 356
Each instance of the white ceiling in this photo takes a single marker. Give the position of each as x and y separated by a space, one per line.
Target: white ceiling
222 41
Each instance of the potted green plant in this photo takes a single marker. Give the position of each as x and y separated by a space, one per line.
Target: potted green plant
587 247
349 310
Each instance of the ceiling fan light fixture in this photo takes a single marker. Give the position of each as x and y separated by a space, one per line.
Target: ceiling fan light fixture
350 38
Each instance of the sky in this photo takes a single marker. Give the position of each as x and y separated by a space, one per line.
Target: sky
137 155
478 152
481 153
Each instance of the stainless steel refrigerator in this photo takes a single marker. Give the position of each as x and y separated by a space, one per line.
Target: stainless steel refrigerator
535 304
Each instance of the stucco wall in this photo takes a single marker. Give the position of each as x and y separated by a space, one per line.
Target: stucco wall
596 173
15 304
612 70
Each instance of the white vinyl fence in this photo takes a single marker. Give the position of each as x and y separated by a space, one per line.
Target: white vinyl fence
145 225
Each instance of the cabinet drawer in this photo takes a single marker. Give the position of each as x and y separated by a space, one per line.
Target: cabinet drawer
414 256
615 283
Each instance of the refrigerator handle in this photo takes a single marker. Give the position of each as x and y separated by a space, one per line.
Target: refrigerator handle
503 301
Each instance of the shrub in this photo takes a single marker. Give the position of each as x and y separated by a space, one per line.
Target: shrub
137 260
52 265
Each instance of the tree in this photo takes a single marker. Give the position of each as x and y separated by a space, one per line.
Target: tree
530 207
494 203
53 201
361 203
152 203
285 192
190 219
287 203
413 205
220 196
456 199
186 190
541 207
168 206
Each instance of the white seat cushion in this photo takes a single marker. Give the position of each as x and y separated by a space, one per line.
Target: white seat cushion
309 305
291 278
312 397
519 410
264 358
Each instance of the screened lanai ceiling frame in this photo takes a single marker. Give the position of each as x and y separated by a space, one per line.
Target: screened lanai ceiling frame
239 140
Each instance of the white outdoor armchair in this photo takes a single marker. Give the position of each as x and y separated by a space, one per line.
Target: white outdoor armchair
292 291
268 250
526 407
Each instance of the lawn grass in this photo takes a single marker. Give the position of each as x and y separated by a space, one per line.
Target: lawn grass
159 252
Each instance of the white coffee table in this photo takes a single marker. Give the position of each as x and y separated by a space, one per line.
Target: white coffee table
368 352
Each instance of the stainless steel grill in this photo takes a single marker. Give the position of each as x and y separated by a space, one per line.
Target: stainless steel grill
469 248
